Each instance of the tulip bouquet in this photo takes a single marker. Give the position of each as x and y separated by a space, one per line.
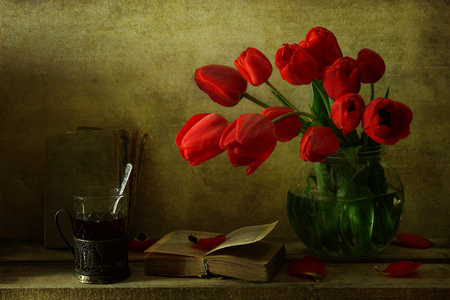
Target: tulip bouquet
331 126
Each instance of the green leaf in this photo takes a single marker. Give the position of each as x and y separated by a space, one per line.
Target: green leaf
351 153
280 99
386 95
319 109
305 126
308 185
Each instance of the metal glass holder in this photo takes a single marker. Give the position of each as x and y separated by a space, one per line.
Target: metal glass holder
104 261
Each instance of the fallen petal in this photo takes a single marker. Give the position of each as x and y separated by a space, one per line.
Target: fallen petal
207 243
399 268
414 241
140 243
308 265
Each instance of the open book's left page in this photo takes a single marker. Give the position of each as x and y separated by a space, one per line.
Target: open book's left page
177 243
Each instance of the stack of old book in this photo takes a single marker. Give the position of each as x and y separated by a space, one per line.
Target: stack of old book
83 159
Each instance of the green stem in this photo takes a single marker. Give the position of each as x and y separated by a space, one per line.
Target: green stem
255 100
274 89
324 95
295 113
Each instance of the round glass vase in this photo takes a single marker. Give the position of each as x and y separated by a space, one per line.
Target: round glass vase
348 207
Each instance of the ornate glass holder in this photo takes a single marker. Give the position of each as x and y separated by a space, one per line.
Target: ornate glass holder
100 236
101 261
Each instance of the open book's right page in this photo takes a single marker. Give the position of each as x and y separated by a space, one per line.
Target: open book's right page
246 235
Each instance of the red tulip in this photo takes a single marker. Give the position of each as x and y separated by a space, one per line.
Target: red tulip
371 66
323 45
254 66
223 84
286 129
317 143
341 77
250 139
386 121
296 65
198 140
346 112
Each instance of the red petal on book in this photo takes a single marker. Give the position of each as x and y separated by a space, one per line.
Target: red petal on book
207 243
308 265
413 240
400 268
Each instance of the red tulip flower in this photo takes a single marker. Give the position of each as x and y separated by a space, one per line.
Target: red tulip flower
223 84
371 66
386 121
341 77
323 45
296 65
250 139
317 143
346 112
285 129
198 140
254 66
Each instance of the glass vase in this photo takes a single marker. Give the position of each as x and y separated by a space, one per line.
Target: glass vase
348 207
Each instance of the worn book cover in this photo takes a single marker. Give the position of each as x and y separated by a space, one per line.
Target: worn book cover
243 255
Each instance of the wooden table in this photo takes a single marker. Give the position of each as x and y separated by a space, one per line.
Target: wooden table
28 271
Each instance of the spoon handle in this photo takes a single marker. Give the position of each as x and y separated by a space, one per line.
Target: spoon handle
125 179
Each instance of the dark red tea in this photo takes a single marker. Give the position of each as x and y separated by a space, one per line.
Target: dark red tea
88 227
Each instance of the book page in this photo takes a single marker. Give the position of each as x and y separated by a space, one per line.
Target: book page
246 235
177 242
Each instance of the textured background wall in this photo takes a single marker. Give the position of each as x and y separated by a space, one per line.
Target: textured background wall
130 64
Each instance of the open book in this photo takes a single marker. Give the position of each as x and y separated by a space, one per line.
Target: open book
243 255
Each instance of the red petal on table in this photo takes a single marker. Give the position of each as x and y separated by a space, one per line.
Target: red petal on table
140 243
400 268
413 240
308 265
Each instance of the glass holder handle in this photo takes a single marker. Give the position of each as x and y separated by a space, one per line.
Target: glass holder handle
71 248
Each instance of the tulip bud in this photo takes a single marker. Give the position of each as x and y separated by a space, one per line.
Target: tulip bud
285 129
372 66
323 45
254 66
341 77
317 143
198 140
296 65
346 112
250 139
223 84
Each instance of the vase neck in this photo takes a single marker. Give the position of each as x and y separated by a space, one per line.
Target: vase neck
375 153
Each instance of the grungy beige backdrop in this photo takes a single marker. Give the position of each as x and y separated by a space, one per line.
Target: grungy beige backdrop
130 64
